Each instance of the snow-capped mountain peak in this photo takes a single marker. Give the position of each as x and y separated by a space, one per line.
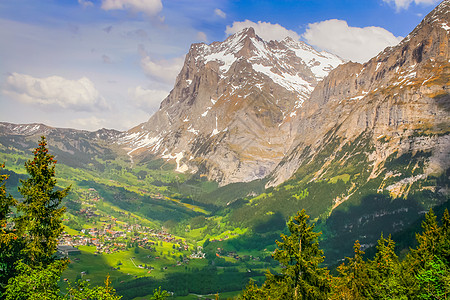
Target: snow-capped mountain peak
241 89
282 61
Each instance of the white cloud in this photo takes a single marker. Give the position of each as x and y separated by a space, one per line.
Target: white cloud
265 30
147 99
148 7
85 3
354 43
404 4
55 92
89 123
220 13
164 71
201 36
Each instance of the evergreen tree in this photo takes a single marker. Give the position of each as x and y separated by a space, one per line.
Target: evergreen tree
6 203
444 240
28 266
40 216
434 280
384 271
425 269
252 292
428 241
299 255
353 280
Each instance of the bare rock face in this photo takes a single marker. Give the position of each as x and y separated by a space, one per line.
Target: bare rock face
229 114
400 98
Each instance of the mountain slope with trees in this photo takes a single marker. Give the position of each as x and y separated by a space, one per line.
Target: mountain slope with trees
30 230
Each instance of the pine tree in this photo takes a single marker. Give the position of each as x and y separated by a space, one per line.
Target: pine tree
252 292
444 240
353 280
29 268
434 280
6 203
384 271
428 241
425 270
300 256
40 215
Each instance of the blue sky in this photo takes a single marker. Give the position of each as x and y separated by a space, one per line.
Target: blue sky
89 64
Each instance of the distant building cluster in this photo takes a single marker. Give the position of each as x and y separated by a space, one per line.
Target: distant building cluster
114 236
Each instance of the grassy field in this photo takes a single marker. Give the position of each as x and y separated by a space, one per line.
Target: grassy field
92 267
124 265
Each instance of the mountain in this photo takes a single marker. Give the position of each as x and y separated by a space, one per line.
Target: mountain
371 146
72 147
399 100
228 116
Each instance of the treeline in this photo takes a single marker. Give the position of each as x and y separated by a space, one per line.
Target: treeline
423 274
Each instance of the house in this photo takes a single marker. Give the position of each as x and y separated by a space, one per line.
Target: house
66 250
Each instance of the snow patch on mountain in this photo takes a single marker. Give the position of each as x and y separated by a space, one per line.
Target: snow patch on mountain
181 167
138 140
321 63
226 59
271 58
286 80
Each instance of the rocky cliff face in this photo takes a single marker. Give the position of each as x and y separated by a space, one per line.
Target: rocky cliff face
400 99
228 116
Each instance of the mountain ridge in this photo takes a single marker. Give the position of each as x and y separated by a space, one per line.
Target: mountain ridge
230 102
395 71
223 121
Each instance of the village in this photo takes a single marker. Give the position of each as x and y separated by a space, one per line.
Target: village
107 240
112 235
